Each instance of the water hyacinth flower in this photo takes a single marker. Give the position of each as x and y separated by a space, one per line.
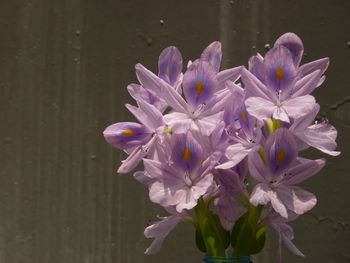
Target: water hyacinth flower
202 133
279 170
277 87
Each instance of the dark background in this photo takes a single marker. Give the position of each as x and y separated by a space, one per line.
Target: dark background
64 67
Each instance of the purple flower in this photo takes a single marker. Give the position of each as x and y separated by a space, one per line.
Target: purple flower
277 87
184 182
278 173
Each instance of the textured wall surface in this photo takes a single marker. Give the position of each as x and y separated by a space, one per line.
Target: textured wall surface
64 67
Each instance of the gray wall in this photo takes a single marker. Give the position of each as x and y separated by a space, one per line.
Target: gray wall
64 67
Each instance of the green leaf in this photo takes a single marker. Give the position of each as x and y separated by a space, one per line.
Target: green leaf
199 241
259 242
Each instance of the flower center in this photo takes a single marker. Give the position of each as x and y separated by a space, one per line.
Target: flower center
187 154
199 88
128 132
281 155
279 73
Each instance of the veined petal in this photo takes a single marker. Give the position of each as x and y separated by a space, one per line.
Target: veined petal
260 108
207 124
255 66
320 136
154 116
307 84
132 161
179 122
150 81
186 152
300 124
295 198
213 54
139 93
257 168
278 204
320 64
159 230
170 65
279 69
199 83
294 44
231 74
126 135
254 87
302 171
281 150
299 106
235 154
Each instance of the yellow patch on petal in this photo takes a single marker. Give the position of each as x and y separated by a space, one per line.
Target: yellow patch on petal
279 73
199 88
244 115
187 154
281 155
128 132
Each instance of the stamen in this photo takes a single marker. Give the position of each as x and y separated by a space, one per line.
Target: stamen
199 88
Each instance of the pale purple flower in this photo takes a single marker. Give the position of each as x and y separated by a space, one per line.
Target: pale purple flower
285 232
279 173
318 135
159 230
277 87
184 182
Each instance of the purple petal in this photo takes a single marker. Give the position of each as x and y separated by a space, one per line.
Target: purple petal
321 136
279 69
296 199
281 150
132 161
231 74
199 83
278 204
302 171
299 106
126 135
186 152
255 66
208 124
320 64
159 230
139 93
213 54
257 168
307 84
301 124
150 81
170 65
260 108
254 87
179 122
294 44
235 154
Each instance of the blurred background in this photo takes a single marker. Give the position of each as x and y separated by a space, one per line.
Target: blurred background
64 68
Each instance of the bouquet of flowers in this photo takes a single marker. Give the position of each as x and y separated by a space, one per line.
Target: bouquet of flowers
204 134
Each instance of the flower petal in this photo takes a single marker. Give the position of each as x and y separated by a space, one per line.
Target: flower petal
186 152
260 108
260 195
170 65
320 64
279 69
235 154
295 198
254 87
294 44
199 83
126 135
231 74
302 171
213 54
280 150
299 106
307 84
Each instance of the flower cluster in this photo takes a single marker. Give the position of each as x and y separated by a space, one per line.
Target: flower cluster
202 135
